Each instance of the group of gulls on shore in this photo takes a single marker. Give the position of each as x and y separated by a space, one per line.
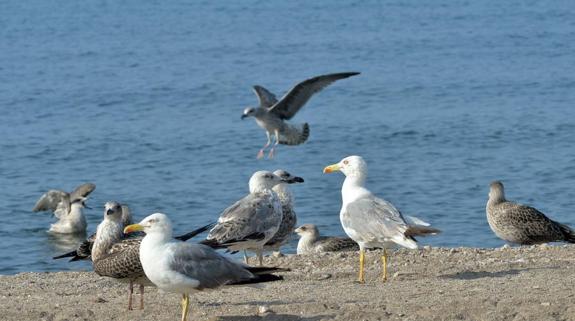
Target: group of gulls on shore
147 253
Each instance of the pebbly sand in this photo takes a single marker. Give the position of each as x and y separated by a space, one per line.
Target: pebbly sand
527 283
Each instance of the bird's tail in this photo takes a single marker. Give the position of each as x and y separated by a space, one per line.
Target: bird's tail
568 233
420 230
294 135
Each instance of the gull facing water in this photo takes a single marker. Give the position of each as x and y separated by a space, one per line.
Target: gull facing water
188 268
252 221
371 221
67 208
312 242
521 224
271 113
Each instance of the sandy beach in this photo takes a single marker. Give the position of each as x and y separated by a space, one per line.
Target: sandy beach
527 283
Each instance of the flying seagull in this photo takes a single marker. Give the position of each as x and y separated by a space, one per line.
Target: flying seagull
116 256
67 207
253 220
188 268
371 221
520 224
271 113
312 242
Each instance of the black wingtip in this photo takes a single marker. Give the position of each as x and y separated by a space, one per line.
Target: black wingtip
262 278
69 254
195 232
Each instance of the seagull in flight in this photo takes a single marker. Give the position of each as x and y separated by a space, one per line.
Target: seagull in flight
271 113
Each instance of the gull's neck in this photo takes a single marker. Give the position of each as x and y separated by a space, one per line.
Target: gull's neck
352 188
76 215
107 234
305 243
283 193
496 197
259 188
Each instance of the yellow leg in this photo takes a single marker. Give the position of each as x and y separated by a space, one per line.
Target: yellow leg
185 306
361 278
384 262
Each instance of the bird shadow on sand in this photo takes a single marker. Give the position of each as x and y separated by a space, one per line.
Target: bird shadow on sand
471 275
273 317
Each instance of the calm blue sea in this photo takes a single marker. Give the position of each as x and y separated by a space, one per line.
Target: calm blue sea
144 99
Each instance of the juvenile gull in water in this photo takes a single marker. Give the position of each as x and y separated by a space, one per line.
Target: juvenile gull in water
312 242
289 218
252 221
67 207
187 268
371 221
271 113
520 224
117 257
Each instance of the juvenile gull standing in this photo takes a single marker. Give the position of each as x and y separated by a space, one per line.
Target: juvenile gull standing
116 256
520 224
312 242
271 113
289 218
371 221
252 221
187 268
67 207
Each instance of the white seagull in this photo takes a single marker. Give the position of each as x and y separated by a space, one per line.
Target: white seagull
67 207
371 221
188 268
253 220
271 113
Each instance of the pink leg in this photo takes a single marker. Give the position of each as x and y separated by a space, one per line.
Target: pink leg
261 152
271 154
141 297
130 292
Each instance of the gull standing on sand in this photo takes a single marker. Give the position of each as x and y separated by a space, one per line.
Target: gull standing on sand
118 257
520 224
312 242
67 207
371 221
271 113
289 218
187 268
252 221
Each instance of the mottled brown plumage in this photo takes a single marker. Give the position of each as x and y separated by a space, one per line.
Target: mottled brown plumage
312 242
520 224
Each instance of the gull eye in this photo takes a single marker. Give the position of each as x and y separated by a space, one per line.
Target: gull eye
152 221
345 162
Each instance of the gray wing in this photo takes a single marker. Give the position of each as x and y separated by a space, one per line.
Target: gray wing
63 207
266 98
374 219
50 200
82 191
201 263
336 244
287 226
247 219
296 98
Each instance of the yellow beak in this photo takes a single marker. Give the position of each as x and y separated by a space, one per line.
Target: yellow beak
331 168
133 228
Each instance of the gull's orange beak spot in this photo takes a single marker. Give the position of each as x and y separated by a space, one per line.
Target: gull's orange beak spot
331 169
133 228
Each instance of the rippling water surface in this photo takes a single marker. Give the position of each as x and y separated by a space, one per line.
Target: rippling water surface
144 99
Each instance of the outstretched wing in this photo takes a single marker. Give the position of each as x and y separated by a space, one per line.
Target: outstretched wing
82 191
296 98
50 200
266 98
